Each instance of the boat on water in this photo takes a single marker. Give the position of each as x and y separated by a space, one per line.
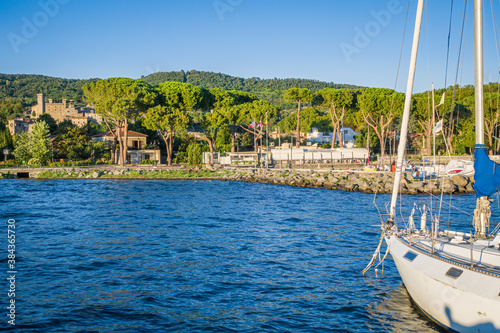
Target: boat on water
459 167
452 276
454 167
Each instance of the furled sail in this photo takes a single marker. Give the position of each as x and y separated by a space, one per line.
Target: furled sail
487 180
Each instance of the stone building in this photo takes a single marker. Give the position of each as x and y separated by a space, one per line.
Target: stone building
19 125
65 110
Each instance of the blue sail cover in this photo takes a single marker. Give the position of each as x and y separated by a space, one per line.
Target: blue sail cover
487 180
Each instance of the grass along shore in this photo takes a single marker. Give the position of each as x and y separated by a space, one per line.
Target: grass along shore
133 174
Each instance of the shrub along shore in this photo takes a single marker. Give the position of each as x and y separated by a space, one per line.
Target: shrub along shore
346 180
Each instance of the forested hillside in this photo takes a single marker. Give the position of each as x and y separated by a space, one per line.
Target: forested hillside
24 87
267 89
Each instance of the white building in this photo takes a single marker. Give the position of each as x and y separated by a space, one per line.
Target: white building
348 136
286 154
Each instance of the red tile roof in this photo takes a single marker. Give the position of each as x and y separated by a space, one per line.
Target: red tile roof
130 134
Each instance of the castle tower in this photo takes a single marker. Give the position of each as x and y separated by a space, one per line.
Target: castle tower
40 107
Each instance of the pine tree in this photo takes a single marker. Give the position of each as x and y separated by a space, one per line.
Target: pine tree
39 146
22 147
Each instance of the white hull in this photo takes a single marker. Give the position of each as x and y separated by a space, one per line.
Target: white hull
459 167
468 303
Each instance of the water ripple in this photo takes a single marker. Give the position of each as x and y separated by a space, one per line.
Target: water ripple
142 256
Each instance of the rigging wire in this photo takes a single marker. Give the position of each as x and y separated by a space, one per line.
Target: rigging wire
459 68
448 48
497 47
450 127
452 107
497 44
397 72
399 62
452 206
428 76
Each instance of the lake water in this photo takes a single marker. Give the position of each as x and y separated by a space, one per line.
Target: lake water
191 256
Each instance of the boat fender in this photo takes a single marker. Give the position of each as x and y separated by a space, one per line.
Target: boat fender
423 221
411 222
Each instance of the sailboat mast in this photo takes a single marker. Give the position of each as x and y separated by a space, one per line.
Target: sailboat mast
482 211
478 64
433 124
406 112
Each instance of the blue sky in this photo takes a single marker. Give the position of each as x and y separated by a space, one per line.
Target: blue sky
356 41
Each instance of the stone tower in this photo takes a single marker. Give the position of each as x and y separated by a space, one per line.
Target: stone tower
40 107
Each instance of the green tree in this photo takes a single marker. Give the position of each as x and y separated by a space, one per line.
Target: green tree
39 145
298 95
231 104
9 110
378 107
211 122
362 140
171 115
93 128
64 126
223 142
6 141
311 117
22 147
120 100
51 123
73 145
260 111
194 154
467 136
337 102
423 114
491 115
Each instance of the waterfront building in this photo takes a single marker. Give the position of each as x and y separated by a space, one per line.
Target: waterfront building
348 136
137 147
286 155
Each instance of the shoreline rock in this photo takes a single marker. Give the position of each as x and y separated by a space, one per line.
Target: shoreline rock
351 181
346 180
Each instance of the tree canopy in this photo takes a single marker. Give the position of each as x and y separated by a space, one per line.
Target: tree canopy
298 95
119 100
170 115
378 107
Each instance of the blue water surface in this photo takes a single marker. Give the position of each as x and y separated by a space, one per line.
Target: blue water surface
199 256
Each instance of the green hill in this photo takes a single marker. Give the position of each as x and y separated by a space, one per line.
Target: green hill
24 87
267 89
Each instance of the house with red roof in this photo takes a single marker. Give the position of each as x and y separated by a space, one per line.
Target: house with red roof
137 148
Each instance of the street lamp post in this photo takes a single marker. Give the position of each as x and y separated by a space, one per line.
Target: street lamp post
5 153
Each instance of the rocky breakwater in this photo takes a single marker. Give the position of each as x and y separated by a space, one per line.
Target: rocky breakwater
352 181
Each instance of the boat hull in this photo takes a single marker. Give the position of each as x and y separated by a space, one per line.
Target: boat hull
444 298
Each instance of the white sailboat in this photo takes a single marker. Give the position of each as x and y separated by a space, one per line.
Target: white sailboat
453 277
